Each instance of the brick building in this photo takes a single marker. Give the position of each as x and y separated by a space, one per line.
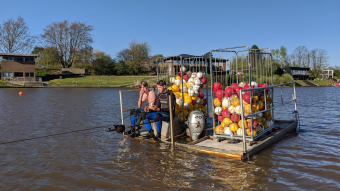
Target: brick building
17 67
192 63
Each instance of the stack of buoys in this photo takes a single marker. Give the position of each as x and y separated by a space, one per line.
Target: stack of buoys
228 108
190 94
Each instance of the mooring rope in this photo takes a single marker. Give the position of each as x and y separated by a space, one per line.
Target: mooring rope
57 134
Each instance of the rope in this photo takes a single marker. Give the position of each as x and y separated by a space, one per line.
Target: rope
57 134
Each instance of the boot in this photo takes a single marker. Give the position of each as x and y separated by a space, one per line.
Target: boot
135 134
131 131
158 135
152 134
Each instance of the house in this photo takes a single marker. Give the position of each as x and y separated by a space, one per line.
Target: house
326 74
298 73
191 63
18 67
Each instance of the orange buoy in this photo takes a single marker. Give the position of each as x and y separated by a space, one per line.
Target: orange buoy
21 93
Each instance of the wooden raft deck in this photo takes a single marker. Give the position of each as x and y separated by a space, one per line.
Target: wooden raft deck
209 144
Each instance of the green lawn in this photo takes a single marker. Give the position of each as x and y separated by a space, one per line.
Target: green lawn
3 84
102 80
322 82
301 82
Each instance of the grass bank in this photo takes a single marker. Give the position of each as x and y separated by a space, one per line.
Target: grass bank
123 81
302 83
4 84
322 82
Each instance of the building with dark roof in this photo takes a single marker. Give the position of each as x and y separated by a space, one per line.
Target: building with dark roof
18 67
192 63
298 73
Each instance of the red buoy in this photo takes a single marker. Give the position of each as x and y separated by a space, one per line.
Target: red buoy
21 93
217 86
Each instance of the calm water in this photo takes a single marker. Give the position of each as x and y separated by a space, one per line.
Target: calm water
96 159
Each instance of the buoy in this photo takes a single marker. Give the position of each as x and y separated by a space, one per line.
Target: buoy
21 93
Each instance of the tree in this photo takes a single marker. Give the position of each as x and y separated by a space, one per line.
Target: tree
15 36
254 57
104 66
275 54
68 38
300 55
207 55
83 57
48 57
124 55
137 57
254 47
283 54
322 59
37 50
313 58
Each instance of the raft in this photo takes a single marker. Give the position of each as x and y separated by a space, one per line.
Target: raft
224 147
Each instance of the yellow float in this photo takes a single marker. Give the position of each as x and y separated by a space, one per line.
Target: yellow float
226 122
174 88
217 102
233 127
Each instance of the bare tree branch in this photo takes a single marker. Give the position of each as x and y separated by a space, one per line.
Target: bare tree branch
15 37
69 39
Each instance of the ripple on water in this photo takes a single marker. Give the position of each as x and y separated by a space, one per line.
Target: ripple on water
307 160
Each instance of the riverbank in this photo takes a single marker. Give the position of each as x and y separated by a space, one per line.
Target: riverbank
126 81
95 81
321 83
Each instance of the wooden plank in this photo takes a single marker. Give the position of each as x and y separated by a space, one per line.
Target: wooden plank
235 150
214 151
272 140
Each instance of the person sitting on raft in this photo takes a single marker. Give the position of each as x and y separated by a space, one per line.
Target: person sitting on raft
160 111
144 95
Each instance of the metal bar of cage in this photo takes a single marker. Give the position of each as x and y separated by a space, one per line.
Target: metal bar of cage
259 68
252 138
194 59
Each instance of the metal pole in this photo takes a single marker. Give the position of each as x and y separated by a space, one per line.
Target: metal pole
236 68
121 107
265 99
157 71
244 130
181 70
171 127
212 95
282 94
249 64
251 118
295 97
206 85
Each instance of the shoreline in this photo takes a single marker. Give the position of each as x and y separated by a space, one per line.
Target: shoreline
111 86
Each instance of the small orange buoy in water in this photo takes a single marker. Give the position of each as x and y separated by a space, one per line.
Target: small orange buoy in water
21 93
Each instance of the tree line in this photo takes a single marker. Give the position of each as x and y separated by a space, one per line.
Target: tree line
69 44
316 59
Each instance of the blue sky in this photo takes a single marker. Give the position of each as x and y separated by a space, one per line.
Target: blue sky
192 27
